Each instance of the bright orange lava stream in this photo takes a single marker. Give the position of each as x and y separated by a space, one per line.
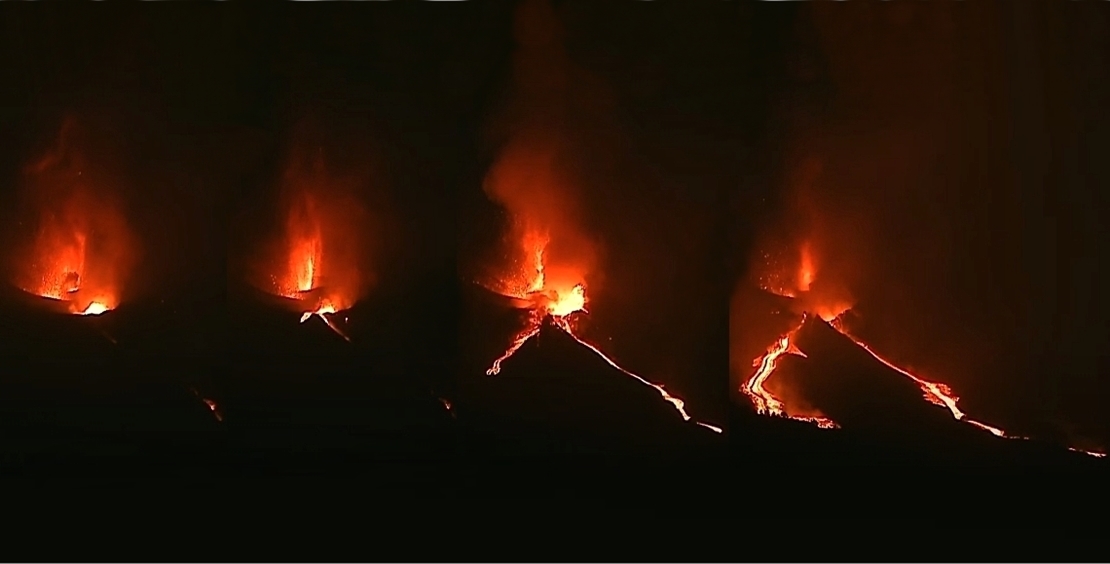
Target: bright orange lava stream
560 306
765 402
678 404
95 308
934 392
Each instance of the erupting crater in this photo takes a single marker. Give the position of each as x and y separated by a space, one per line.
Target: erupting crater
80 251
314 301
316 265
558 306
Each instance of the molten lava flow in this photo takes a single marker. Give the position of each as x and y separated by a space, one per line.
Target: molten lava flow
1094 454
560 306
831 310
765 402
941 395
536 295
325 310
678 404
95 308
934 392
530 331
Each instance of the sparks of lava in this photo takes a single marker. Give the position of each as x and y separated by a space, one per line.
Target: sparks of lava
560 306
81 245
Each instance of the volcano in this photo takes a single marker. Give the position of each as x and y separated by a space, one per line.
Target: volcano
844 381
556 395
559 417
881 413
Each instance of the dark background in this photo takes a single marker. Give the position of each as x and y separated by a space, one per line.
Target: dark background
961 197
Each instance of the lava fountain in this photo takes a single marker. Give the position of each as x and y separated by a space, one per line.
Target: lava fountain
318 262
78 250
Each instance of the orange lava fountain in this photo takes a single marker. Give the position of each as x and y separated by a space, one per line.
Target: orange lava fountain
543 301
81 249
302 277
318 263
766 403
